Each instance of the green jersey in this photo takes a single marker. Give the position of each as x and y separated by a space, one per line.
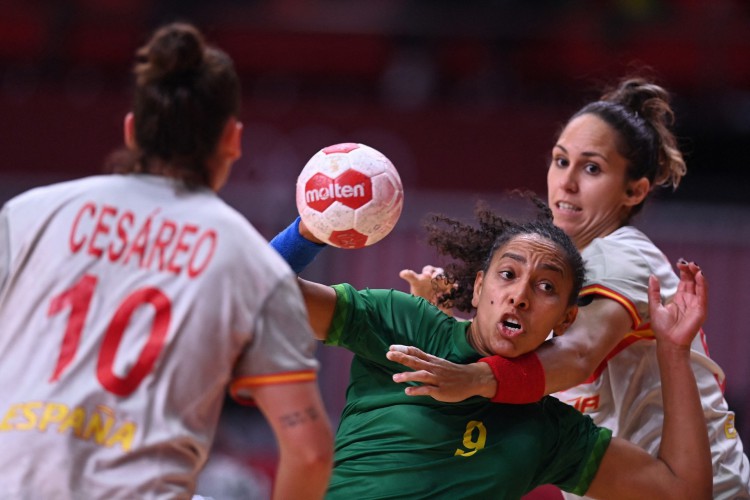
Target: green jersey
390 445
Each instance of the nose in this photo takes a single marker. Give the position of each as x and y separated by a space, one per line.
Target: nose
519 297
568 179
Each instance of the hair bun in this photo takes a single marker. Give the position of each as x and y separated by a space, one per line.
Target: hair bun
174 51
649 103
641 96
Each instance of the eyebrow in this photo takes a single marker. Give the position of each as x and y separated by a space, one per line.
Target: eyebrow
585 153
514 256
543 265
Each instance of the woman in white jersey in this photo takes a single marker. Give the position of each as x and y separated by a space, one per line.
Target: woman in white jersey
609 156
124 312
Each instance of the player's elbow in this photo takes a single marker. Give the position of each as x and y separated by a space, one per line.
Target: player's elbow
310 459
698 484
692 490
692 483
314 454
581 364
584 366
314 461
320 456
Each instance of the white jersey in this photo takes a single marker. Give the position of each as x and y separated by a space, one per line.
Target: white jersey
128 307
624 393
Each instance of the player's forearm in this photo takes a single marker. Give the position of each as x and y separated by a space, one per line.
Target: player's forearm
571 358
564 367
554 366
298 480
684 446
303 433
528 378
305 454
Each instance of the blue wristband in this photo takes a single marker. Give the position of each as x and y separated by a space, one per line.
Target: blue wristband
297 250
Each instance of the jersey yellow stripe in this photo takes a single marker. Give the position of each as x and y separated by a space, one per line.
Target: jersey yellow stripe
239 387
276 378
622 300
629 339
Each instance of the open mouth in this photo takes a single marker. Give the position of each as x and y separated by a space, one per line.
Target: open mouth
511 327
568 207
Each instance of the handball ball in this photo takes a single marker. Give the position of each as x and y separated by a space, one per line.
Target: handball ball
349 195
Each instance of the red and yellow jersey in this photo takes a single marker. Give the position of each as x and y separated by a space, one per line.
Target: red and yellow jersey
128 306
624 393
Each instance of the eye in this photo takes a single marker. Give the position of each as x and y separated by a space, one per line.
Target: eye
560 162
506 274
592 168
546 286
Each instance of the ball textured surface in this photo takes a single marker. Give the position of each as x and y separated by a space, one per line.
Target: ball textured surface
349 195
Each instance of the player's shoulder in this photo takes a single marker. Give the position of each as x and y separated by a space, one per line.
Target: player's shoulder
623 261
104 186
243 251
56 189
381 295
625 248
626 239
389 302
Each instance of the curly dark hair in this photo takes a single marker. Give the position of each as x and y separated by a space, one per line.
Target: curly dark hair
471 247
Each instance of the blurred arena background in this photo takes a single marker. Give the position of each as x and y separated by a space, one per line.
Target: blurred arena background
463 96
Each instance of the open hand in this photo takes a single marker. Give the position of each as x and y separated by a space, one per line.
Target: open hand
430 284
442 380
679 321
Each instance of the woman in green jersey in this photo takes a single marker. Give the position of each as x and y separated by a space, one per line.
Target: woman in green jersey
527 278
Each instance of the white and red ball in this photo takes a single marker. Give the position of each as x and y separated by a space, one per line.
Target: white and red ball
349 195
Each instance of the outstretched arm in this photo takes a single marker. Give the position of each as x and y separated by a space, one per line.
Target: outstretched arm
682 468
560 363
299 247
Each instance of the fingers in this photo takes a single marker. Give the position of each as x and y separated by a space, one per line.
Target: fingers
701 289
408 275
410 350
679 320
438 378
687 283
695 283
654 292
432 271
420 376
419 390
411 357
689 272
688 267
428 272
307 234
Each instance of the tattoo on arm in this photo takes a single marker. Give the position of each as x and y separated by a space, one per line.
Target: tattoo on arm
302 417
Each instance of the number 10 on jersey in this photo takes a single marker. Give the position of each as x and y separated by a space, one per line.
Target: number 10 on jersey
77 299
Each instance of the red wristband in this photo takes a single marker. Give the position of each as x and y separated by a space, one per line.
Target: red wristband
519 380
